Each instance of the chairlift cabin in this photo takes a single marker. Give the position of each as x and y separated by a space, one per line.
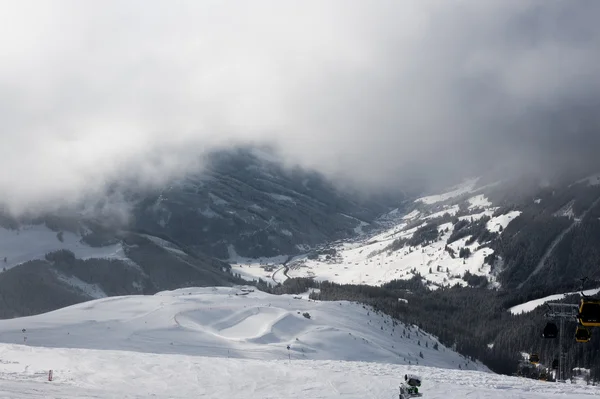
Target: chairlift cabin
589 312
582 334
534 358
550 331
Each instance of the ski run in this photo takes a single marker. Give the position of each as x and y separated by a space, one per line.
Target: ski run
236 342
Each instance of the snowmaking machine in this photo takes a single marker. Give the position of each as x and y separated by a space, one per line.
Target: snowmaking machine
410 387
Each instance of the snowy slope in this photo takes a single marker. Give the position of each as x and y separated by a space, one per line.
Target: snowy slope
463 188
84 374
233 322
212 343
31 242
531 305
369 260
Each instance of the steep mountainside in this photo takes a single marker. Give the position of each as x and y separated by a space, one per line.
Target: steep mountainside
247 203
44 269
537 238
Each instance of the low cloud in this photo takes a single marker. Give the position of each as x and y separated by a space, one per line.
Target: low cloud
370 93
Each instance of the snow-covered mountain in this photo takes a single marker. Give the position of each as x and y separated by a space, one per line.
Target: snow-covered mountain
232 342
44 269
509 234
244 202
247 202
435 240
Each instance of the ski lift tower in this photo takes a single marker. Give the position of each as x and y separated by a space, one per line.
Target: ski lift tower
563 312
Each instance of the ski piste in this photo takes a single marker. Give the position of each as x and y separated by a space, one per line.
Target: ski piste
410 387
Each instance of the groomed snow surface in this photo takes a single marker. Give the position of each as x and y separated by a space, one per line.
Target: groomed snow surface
233 322
211 343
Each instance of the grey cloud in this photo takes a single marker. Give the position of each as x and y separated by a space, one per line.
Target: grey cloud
371 93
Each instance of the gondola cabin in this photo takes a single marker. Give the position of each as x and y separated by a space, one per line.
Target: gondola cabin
589 312
550 331
582 334
534 358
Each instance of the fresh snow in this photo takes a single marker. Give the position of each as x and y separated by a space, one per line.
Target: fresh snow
479 201
87 374
366 260
358 229
92 290
235 322
412 215
466 187
211 343
453 210
500 222
531 305
250 269
567 210
165 244
33 242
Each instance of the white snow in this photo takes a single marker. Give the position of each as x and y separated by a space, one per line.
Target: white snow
567 210
476 216
452 210
87 374
479 201
498 222
367 262
32 242
93 290
358 229
190 343
531 305
281 197
233 322
217 200
257 268
165 244
412 215
466 187
593 180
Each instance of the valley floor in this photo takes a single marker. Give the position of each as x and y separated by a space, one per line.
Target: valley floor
86 373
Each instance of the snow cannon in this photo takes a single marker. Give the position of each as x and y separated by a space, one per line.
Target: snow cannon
410 387
412 380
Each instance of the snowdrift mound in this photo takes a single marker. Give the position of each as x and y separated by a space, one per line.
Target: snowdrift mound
234 322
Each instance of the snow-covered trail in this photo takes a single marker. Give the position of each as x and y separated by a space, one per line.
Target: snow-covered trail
84 373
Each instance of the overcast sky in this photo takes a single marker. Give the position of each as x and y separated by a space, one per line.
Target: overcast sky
370 91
